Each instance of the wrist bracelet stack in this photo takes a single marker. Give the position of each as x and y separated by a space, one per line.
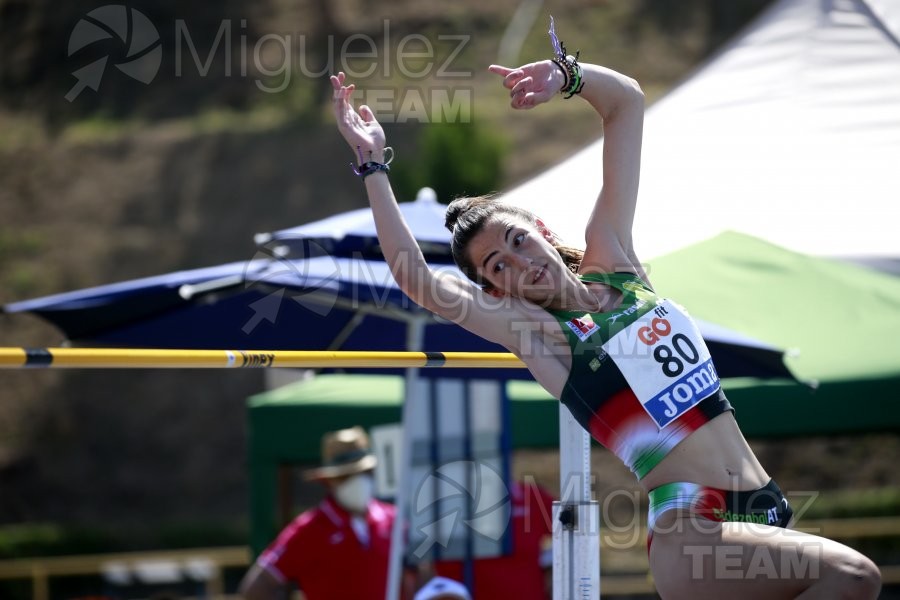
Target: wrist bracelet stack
368 167
568 64
574 75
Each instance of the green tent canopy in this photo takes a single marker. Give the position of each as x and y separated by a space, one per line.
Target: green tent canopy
843 320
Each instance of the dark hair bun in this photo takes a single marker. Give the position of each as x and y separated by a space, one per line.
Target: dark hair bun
454 210
460 206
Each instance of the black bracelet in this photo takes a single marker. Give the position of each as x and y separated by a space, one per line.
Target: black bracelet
565 72
367 168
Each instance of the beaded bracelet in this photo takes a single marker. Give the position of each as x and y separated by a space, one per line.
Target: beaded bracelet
368 167
568 64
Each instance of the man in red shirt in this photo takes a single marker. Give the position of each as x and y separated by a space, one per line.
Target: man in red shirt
340 549
523 574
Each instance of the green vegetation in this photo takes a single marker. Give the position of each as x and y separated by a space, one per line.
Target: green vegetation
48 539
51 539
444 149
20 244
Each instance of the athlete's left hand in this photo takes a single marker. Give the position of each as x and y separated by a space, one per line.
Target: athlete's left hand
361 130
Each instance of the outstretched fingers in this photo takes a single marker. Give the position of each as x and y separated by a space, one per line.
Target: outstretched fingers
358 126
337 84
343 111
510 76
521 86
500 70
522 95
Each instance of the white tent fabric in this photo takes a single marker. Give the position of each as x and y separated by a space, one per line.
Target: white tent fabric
791 134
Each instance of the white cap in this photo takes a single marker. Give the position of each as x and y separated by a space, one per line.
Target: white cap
442 587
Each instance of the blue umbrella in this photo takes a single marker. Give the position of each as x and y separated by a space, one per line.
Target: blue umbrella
318 303
353 233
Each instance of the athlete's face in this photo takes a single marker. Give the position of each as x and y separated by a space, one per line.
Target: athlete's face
516 258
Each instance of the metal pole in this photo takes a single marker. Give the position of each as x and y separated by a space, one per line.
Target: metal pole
415 336
574 459
576 533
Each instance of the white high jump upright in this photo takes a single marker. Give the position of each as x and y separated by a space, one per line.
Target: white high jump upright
576 518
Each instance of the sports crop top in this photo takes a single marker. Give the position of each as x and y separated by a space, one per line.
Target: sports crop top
642 379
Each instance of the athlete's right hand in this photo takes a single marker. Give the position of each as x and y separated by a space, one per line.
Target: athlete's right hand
360 129
531 84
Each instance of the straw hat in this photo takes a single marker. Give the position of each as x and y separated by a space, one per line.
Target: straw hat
344 452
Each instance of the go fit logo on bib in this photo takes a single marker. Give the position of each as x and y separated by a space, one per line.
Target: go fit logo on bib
678 373
658 327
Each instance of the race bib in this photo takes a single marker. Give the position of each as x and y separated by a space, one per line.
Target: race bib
665 361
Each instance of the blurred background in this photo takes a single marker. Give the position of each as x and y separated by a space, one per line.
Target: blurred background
178 166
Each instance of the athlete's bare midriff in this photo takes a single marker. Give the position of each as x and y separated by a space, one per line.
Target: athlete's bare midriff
716 455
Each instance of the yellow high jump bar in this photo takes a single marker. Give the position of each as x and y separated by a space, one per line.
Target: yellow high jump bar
146 358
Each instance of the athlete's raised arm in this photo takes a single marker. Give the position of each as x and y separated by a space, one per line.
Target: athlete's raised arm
447 295
620 103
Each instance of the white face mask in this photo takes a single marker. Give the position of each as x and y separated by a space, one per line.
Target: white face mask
355 492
